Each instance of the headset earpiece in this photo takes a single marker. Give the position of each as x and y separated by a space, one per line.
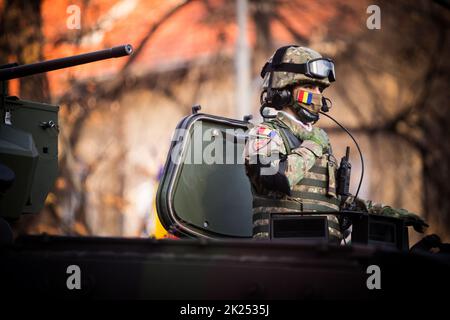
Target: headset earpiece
275 98
281 98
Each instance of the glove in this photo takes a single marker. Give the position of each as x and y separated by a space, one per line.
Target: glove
312 146
315 141
410 218
320 137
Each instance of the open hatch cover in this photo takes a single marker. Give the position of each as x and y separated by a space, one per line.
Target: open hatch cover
204 191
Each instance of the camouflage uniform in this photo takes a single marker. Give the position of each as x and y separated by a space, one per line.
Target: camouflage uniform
309 168
291 166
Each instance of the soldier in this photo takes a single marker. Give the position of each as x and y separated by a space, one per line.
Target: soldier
289 162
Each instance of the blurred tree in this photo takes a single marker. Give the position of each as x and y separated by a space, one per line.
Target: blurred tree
392 88
407 89
80 104
22 41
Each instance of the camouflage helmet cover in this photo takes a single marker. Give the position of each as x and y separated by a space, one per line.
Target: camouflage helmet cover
298 55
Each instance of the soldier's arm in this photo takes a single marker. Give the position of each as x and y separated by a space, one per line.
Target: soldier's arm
301 161
373 208
303 158
266 153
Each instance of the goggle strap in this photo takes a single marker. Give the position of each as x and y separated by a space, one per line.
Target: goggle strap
290 67
287 67
279 54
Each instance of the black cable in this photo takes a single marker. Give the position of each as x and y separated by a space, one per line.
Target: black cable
357 146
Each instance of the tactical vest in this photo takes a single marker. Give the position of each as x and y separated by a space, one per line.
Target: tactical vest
316 192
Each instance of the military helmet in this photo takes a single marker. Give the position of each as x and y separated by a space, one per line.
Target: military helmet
293 65
294 55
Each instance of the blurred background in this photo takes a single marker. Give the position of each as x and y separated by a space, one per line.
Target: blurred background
117 116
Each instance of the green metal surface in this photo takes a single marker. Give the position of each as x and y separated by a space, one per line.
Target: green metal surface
214 198
17 152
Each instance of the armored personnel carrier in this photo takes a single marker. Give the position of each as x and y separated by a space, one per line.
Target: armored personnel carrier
207 206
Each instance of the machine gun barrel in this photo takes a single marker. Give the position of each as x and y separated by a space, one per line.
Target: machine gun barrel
55 64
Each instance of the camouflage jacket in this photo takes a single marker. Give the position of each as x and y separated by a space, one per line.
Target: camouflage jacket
266 142
291 169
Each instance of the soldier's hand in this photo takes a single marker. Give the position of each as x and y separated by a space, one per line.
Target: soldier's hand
302 133
320 137
410 218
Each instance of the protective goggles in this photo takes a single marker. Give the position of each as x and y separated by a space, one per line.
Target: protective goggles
321 68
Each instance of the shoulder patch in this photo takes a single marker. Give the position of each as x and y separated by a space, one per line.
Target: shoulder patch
264 140
264 131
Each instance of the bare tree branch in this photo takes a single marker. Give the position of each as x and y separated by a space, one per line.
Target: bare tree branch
150 33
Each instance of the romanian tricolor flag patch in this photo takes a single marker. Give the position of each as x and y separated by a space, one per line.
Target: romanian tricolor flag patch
304 97
263 131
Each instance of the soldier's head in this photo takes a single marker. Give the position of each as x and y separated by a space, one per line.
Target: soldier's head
294 78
